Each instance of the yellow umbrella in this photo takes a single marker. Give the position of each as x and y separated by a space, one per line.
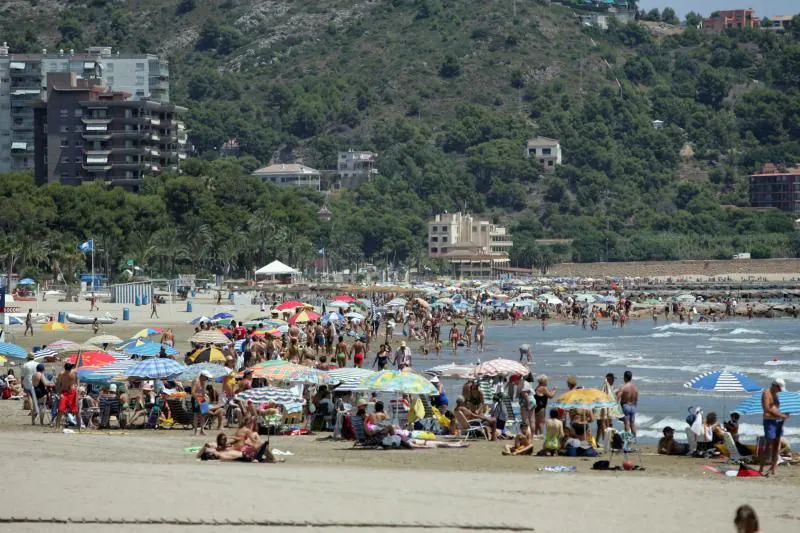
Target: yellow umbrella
54 326
3 359
585 399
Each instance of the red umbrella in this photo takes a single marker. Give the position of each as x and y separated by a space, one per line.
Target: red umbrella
91 359
304 316
291 305
344 298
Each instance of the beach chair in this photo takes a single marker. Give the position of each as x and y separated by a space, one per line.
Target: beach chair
514 414
471 428
399 413
732 449
181 415
362 439
626 449
109 406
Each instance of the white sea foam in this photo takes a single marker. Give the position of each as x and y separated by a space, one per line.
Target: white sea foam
744 331
745 340
568 363
711 352
790 348
682 326
704 346
667 334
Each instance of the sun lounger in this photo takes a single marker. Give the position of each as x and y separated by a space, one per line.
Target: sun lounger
181 415
109 407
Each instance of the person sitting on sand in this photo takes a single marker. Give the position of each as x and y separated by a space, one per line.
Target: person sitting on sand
377 422
667 445
223 451
553 434
523 442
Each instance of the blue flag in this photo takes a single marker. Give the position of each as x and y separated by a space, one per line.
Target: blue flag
87 246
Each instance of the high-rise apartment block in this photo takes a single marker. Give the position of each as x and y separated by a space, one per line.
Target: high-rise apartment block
23 80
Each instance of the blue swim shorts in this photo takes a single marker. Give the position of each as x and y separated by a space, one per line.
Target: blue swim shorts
629 411
773 429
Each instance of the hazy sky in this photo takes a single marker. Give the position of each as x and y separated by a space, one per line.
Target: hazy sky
705 7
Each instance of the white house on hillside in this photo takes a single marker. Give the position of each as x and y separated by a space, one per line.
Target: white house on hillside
546 150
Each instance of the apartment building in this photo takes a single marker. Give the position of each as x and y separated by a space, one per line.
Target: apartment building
84 131
742 19
779 23
473 247
355 167
23 81
776 187
546 150
290 175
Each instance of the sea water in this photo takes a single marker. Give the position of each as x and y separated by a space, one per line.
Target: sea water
662 357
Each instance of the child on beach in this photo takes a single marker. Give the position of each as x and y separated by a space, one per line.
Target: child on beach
553 433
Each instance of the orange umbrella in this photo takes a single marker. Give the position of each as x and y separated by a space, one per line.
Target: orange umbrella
304 316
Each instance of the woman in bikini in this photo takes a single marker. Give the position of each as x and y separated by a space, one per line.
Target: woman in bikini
342 352
454 337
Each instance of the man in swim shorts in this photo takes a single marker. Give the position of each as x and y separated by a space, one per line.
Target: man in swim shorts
358 349
773 424
628 396
67 384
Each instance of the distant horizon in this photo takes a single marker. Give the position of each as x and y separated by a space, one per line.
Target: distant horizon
763 8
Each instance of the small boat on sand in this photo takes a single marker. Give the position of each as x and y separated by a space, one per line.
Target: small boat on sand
84 319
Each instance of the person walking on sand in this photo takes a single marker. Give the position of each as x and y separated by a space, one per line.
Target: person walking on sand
67 387
95 325
773 424
93 303
402 357
628 396
154 308
28 323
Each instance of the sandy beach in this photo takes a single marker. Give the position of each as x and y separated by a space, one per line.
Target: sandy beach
110 477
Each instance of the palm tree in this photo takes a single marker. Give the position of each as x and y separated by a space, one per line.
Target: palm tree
170 248
142 247
263 227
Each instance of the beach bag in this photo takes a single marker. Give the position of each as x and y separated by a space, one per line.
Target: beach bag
391 441
601 465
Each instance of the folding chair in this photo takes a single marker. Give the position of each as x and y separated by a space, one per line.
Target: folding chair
624 450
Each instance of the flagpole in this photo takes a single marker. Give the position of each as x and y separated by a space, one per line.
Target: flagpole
92 241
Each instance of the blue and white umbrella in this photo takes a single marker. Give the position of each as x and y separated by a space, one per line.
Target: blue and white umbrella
333 315
12 350
199 319
339 304
723 381
354 316
155 369
14 321
193 371
790 404
150 349
350 378
221 316
239 345
114 372
270 394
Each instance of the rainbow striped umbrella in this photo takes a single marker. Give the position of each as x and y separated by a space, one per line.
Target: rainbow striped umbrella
304 316
399 382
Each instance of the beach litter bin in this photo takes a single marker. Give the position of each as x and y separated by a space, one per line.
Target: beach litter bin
126 313
137 301
188 306
145 300
62 316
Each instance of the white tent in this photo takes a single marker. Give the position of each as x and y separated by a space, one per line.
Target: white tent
276 268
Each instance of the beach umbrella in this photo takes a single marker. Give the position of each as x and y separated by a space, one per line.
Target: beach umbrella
208 354
398 382
12 350
291 305
192 372
54 326
451 370
500 367
304 316
68 348
91 359
222 316
270 395
148 332
350 379
26 281
104 339
14 321
199 320
155 369
111 373
420 302
397 302
264 332
61 344
354 316
585 399
339 305
790 404
45 353
344 298
333 315
287 372
608 299
723 381
148 349
209 336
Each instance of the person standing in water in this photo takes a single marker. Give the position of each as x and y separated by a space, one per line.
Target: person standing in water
480 334
628 396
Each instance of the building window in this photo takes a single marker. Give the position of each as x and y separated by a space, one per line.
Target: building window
64 143
64 113
78 113
434 239
546 151
444 250
139 80
78 144
444 239
64 159
550 163
434 250
78 160
140 93
64 129
110 67
110 80
139 67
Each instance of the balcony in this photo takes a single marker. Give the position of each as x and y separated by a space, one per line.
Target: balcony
97 168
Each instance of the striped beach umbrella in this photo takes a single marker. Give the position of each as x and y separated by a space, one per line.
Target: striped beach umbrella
723 381
45 353
210 336
100 340
790 404
350 378
114 372
150 349
155 369
193 371
585 399
12 350
500 367
61 344
148 332
451 370
304 316
399 382
210 354
286 372
270 395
